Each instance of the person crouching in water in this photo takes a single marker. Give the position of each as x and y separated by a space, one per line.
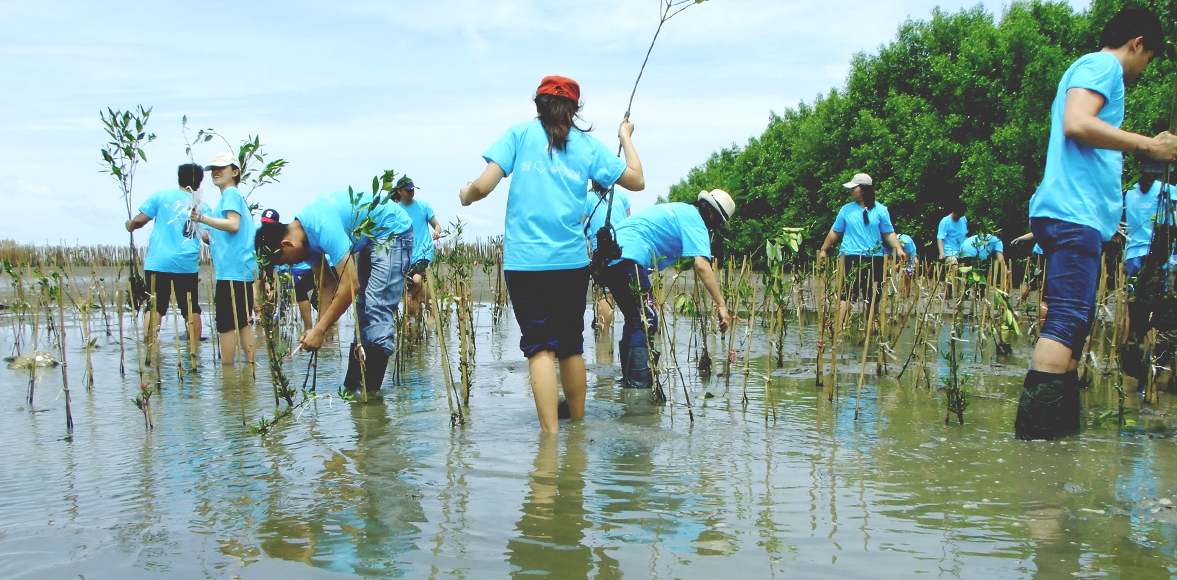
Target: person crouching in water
369 265
665 232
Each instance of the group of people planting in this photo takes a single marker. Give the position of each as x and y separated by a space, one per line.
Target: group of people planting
563 189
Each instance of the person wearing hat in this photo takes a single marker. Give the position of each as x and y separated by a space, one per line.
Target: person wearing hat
1077 207
426 231
656 237
300 273
368 264
596 208
860 230
1140 209
173 252
231 245
551 160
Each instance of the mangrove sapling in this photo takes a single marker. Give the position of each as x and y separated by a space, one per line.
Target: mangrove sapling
451 390
250 153
748 347
121 157
69 417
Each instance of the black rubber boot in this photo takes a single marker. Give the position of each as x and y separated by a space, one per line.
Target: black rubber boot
375 365
623 354
351 381
1040 408
1070 418
563 411
638 376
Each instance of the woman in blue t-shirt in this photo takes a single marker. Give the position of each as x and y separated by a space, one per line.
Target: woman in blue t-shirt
544 259
861 229
233 259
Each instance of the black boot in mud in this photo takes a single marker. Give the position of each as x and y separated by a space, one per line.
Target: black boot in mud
1040 409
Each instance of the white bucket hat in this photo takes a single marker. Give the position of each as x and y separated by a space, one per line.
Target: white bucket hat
721 201
859 179
223 160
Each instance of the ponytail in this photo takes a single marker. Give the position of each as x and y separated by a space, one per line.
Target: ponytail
558 115
868 200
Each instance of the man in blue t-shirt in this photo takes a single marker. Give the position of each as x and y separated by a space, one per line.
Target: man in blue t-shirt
426 231
657 237
369 251
173 252
1140 210
953 229
1077 207
983 247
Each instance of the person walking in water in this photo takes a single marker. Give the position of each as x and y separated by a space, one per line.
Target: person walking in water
1077 207
231 242
369 265
426 232
656 237
860 230
173 252
550 161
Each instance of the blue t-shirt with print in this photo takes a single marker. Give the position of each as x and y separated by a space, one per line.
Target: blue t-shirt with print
981 246
905 242
953 233
545 203
595 210
666 232
1140 209
1081 184
233 256
168 249
420 213
861 238
330 219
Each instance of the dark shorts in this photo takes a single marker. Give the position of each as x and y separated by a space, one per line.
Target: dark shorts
1072 256
186 288
864 276
243 292
549 307
304 287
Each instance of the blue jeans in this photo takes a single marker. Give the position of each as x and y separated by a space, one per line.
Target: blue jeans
620 278
1072 254
1132 265
382 269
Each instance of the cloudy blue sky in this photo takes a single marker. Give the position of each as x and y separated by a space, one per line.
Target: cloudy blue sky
345 89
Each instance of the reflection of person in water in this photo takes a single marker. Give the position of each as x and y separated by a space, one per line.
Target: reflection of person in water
551 530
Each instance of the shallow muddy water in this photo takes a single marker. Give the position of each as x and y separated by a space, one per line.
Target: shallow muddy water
636 489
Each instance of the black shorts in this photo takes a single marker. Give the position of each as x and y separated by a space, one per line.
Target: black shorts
304 287
864 276
549 307
186 288
243 292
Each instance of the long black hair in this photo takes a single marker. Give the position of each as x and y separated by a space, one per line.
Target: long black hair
711 218
558 115
868 200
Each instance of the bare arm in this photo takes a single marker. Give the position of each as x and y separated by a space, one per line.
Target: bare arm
940 246
1082 123
832 239
230 223
348 283
481 187
138 222
893 241
707 275
632 178
435 228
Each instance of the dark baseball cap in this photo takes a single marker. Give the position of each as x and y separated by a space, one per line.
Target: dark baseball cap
405 182
270 216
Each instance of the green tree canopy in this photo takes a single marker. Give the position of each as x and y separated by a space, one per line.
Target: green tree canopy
957 105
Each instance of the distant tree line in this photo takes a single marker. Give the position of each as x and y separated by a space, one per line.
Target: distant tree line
955 106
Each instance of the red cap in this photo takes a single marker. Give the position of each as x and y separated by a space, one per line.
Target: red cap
559 86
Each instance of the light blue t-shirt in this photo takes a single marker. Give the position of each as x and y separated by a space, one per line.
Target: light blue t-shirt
861 238
595 210
1038 249
1081 184
168 249
329 222
905 242
546 200
1140 209
667 231
420 213
981 246
233 256
953 233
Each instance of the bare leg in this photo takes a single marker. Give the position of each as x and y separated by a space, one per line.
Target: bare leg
1052 357
605 313
542 366
573 381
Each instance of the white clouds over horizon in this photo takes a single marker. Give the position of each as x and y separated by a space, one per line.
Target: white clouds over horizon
346 89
